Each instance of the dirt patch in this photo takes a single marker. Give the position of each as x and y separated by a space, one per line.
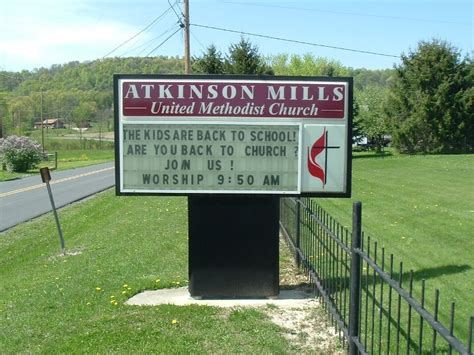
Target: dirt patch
290 275
306 327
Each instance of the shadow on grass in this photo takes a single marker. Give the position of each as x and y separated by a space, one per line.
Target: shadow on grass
423 274
337 288
335 284
437 271
367 275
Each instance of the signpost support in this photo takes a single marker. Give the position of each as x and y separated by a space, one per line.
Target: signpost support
46 177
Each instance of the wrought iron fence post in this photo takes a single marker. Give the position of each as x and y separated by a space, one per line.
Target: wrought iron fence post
298 232
354 311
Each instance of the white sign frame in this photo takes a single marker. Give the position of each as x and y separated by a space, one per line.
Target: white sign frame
341 189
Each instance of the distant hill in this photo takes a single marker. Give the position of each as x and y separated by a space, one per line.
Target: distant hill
94 75
76 92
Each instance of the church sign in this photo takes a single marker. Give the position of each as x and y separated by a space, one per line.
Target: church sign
233 135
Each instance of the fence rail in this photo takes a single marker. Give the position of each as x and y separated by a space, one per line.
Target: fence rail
371 307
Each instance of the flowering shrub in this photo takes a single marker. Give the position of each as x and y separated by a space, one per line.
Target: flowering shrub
20 153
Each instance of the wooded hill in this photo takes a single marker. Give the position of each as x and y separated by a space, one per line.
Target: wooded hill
76 92
94 75
97 75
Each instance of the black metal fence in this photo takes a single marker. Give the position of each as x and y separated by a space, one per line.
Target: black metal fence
369 299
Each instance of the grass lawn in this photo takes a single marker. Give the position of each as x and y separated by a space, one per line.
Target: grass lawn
55 304
69 156
421 209
68 159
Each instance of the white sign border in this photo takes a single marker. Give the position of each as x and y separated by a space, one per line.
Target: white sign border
347 121
210 123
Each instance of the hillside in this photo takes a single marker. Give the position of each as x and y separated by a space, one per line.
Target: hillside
94 75
76 92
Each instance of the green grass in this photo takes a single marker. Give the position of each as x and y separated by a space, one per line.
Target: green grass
68 159
55 304
421 209
70 155
63 132
6 175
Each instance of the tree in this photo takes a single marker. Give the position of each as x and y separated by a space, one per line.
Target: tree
375 78
371 117
83 114
3 112
210 63
244 58
308 65
430 106
21 112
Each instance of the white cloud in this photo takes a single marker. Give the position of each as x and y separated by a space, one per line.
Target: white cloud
29 40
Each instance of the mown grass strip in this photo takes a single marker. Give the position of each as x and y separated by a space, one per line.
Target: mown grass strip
118 246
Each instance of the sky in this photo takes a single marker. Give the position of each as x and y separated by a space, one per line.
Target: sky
40 33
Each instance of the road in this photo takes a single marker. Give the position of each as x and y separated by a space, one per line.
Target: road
27 198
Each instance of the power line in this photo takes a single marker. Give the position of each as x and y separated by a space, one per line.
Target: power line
348 13
296 41
167 38
198 41
144 46
140 32
164 33
172 7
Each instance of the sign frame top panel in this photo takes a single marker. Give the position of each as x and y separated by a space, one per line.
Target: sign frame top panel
240 97
243 99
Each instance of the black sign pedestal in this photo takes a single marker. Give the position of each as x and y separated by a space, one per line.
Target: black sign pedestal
233 246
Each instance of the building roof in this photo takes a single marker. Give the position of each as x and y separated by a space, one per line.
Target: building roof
51 121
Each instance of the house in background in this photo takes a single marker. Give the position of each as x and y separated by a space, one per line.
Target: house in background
50 123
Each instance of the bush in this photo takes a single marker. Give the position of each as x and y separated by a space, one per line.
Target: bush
20 153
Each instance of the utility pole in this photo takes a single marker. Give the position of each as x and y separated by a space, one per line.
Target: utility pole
19 122
2 117
41 117
187 58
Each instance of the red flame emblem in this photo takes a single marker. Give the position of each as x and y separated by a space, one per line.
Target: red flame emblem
313 167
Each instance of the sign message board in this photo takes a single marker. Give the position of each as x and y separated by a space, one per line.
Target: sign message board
221 134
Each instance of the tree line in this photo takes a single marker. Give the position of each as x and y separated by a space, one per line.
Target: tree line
74 92
425 103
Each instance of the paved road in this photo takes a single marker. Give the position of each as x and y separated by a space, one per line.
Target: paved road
27 198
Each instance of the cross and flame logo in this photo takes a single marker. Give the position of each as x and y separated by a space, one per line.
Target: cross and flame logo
319 146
